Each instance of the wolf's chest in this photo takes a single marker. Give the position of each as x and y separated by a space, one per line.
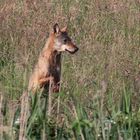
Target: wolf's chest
55 66
55 70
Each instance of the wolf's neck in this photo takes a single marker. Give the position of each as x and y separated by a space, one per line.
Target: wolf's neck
49 52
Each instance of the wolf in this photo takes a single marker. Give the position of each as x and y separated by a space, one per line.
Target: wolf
48 67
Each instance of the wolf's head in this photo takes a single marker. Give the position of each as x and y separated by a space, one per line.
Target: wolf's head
62 41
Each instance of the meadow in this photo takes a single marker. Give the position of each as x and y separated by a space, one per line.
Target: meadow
100 88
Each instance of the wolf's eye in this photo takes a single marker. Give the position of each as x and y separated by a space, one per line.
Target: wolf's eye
65 41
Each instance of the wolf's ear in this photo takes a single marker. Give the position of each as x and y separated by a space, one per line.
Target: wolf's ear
64 29
56 28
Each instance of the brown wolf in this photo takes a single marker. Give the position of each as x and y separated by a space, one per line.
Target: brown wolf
48 67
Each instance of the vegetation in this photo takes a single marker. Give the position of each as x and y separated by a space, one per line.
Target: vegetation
99 98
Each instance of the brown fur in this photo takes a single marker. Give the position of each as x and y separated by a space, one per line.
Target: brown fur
48 66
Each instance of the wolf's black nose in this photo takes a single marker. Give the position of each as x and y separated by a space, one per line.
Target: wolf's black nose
76 49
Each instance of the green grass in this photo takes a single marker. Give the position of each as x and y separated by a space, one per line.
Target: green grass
99 99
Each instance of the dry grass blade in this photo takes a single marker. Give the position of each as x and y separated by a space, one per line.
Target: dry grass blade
76 116
50 99
1 117
58 100
102 92
24 115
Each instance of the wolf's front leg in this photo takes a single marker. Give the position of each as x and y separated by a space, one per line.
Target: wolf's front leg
56 87
43 81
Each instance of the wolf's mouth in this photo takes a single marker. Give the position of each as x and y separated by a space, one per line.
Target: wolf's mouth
72 52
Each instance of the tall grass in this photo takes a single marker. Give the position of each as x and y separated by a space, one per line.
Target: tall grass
99 97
